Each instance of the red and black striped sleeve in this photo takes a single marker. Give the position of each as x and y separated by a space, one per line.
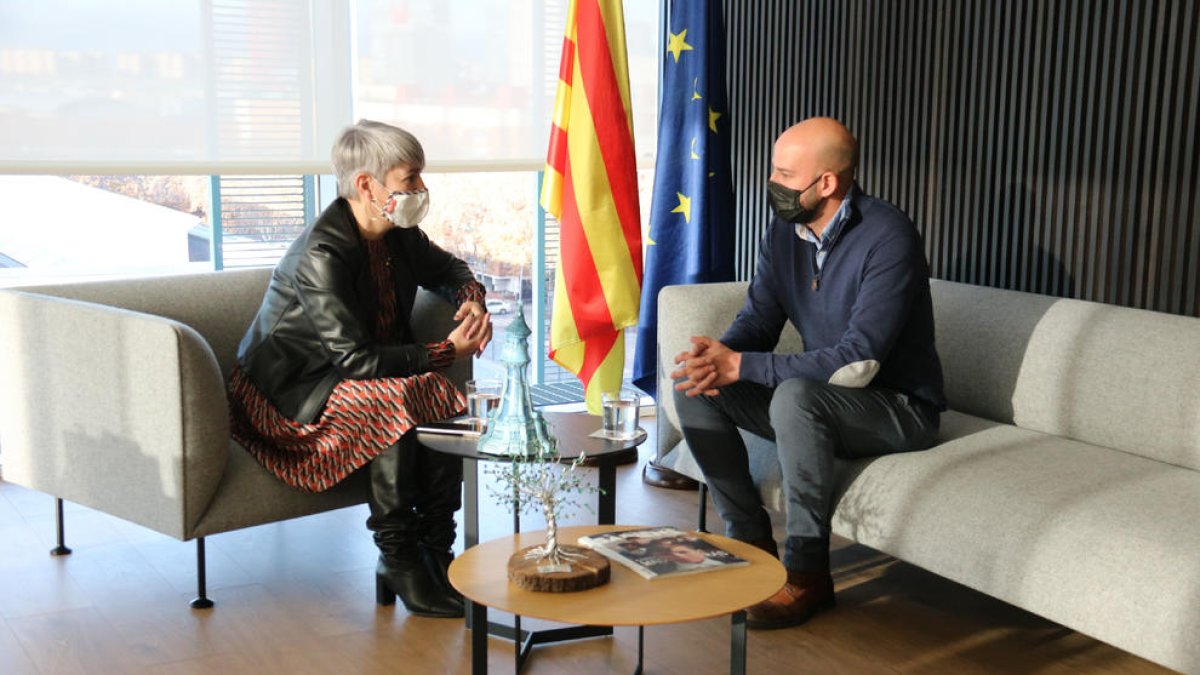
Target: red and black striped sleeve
441 354
472 291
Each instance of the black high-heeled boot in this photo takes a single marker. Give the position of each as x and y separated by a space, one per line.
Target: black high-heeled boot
408 577
401 570
437 564
439 499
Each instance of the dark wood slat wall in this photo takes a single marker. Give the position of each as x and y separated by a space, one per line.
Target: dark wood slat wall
1048 147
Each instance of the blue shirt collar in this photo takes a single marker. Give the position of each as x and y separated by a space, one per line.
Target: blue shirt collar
835 226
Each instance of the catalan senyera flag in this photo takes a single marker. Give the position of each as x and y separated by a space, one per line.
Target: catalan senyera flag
590 186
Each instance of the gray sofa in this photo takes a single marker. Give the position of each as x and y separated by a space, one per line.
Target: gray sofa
1067 480
113 397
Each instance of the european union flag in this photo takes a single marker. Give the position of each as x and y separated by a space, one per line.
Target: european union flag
691 215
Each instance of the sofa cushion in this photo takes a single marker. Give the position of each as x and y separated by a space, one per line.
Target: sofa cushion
764 459
1112 376
250 495
1045 522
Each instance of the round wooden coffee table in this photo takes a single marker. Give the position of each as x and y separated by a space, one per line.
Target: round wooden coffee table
481 575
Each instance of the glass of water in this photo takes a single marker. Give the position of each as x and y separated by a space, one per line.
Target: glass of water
620 413
483 396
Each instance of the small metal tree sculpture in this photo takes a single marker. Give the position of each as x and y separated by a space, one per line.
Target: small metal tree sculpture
542 482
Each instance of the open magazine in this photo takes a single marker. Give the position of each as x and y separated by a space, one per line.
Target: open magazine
659 552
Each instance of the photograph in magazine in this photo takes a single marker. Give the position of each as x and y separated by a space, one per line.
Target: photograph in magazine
661 552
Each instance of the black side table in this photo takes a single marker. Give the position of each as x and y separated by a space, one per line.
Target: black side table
573 433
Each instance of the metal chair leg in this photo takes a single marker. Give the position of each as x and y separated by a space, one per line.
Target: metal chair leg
201 601
702 516
61 549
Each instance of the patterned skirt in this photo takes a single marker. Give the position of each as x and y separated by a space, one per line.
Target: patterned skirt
362 418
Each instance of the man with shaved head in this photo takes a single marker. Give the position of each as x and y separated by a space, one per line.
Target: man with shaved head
849 272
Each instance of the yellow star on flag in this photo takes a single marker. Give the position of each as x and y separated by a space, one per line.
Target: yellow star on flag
713 116
685 207
696 89
694 155
677 44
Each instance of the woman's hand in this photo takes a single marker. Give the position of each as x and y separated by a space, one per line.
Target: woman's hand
471 336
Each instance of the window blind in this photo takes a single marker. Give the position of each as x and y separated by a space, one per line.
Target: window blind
263 86
475 81
181 87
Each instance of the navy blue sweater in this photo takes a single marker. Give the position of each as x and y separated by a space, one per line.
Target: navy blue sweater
869 320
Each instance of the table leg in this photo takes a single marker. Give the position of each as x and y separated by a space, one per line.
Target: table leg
479 665
608 493
516 509
737 646
471 522
641 645
470 502
517 643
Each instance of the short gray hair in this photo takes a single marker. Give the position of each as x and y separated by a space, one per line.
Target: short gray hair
373 147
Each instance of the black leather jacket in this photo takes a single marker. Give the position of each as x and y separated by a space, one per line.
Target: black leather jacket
316 324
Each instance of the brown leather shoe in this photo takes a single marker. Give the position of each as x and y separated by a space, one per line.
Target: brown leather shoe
660 476
804 594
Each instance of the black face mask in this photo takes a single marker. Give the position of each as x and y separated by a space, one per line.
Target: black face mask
786 203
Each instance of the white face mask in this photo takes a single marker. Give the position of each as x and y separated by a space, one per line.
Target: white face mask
405 209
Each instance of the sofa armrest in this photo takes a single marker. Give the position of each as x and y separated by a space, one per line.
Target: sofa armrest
115 410
697 309
684 311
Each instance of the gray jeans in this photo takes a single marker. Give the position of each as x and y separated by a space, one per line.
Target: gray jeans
813 424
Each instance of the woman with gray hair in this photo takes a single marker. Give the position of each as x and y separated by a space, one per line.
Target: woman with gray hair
330 379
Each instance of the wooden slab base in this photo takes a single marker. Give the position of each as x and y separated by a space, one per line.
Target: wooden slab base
588 569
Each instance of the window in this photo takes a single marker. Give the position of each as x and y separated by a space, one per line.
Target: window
89 226
202 143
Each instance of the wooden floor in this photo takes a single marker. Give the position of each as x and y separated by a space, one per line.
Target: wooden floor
297 597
